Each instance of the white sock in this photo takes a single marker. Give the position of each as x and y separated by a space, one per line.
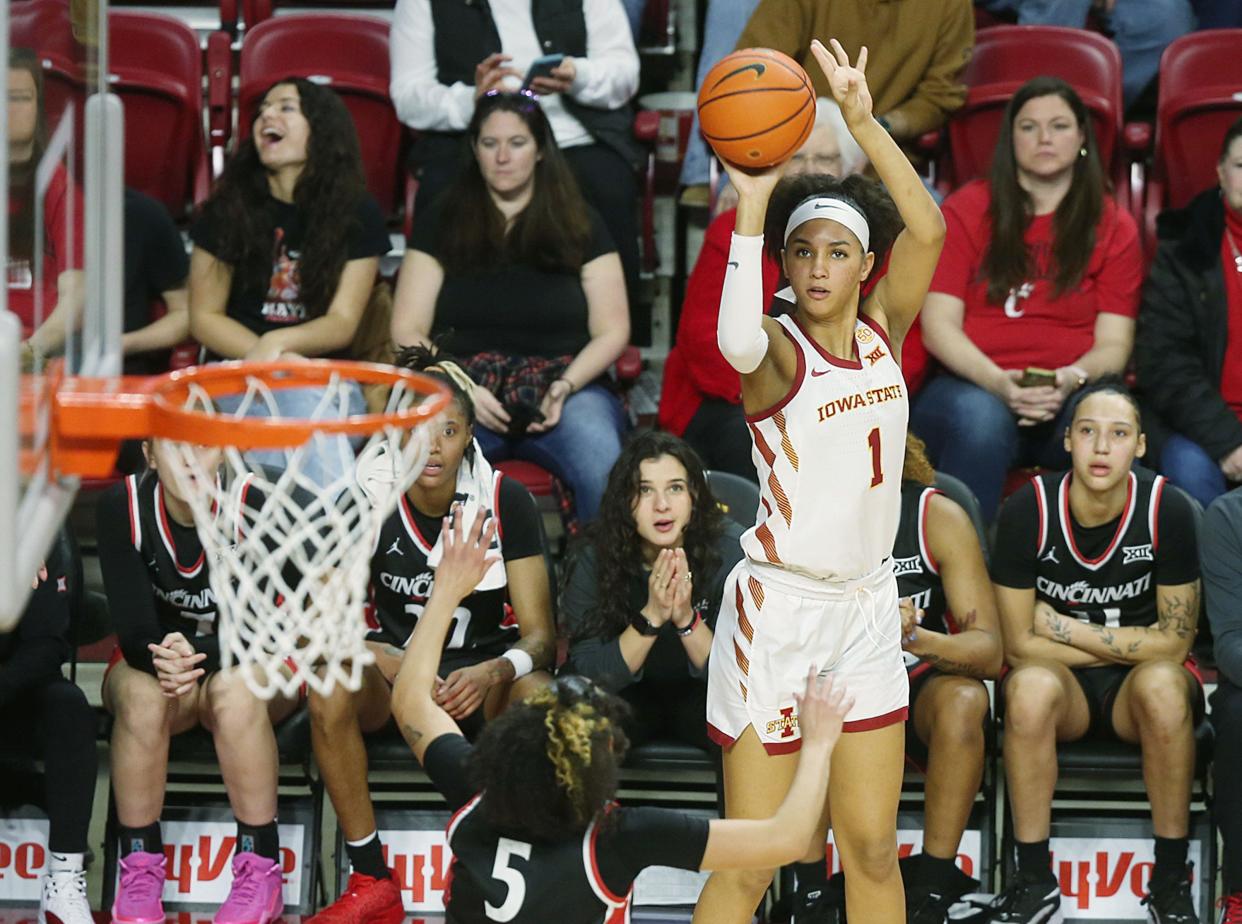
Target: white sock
65 862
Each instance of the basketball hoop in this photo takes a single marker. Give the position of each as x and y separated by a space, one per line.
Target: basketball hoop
288 505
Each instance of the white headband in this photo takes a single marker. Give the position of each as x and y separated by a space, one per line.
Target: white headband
834 210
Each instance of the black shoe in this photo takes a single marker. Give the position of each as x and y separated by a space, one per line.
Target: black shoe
821 906
1027 902
929 902
1169 901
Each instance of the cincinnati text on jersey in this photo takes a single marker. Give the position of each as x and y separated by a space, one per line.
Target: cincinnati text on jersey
1080 592
860 399
418 587
182 599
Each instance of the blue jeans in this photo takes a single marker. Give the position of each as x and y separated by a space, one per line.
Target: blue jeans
972 434
1142 29
634 13
725 21
323 459
579 450
1188 466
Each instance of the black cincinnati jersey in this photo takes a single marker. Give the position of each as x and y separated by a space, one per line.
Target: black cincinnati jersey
918 574
1105 574
585 879
401 581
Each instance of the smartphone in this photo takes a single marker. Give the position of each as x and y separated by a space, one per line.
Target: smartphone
542 67
1034 377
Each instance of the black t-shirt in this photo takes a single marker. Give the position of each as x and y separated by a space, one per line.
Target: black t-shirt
1104 574
277 303
154 572
401 581
155 262
586 879
515 309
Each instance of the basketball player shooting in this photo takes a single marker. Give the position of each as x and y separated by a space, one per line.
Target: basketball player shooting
827 410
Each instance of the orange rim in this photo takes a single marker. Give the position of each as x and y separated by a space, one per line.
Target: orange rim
93 416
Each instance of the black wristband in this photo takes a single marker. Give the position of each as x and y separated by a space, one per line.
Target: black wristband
642 625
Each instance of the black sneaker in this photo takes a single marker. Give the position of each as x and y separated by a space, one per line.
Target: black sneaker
1027 902
1169 900
822 906
929 902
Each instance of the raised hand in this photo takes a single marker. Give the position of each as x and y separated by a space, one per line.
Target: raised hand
847 82
466 557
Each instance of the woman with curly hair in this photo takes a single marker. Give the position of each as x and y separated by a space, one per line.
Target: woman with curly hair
642 594
287 247
536 835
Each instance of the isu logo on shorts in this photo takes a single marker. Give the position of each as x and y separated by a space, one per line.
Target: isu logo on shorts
785 724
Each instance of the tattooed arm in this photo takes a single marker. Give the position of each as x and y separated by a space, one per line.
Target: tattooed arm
420 718
975 649
1017 611
1177 618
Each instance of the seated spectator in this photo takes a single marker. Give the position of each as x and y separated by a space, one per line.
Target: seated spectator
952 639
1035 296
1189 345
916 81
1142 29
45 716
50 306
1221 553
287 249
537 835
156 268
166 678
1084 669
701 397
446 56
642 594
512 270
500 650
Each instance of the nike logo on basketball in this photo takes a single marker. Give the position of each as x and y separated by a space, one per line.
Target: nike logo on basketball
395 548
819 372
758 68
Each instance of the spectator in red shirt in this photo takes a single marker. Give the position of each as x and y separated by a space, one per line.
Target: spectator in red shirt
49 305
1035 295
701 396
1189 346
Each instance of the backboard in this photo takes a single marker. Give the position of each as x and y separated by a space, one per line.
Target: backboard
62 237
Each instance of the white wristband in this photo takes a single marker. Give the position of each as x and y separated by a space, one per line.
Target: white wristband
521 661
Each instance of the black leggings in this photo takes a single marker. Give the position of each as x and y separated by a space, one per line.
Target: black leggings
1227 719
54 722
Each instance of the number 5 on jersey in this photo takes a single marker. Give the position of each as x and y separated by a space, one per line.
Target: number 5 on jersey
506 850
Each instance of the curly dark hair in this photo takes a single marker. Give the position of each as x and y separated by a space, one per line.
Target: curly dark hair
22 176
547 766
553 231
866 195
327 195
614 534
1006 262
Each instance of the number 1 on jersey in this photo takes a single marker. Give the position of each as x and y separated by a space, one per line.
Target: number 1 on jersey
877 469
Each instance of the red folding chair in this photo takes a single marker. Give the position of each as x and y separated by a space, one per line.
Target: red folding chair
1200 97
156 67
1006 57
348 53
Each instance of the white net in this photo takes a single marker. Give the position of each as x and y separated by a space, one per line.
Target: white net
289 533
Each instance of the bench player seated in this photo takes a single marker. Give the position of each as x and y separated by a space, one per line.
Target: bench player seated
500 647
536 836
952 641
164 679
1097 582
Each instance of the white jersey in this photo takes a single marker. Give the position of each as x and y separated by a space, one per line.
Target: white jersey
829 458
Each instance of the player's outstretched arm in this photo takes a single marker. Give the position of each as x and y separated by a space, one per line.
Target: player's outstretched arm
464 563
785 837
899 295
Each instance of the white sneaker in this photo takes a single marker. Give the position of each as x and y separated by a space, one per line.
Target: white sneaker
64 898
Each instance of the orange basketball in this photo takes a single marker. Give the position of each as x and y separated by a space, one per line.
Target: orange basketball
756 107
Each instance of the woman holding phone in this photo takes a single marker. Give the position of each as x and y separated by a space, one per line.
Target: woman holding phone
1035 295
